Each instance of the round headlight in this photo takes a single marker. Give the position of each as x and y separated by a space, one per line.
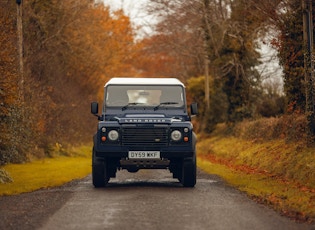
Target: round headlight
113 135
176 135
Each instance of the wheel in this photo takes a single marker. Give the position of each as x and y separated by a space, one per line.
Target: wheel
111 167
98 176
99 172
189 172
177 173
176 168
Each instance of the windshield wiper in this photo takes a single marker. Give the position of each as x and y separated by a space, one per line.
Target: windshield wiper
165 103
129 104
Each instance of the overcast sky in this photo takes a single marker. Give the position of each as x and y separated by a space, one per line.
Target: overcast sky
127 5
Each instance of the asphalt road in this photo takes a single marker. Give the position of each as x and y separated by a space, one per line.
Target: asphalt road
154 200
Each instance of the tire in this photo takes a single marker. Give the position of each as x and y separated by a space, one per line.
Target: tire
189 172
176 168
99 172
178 174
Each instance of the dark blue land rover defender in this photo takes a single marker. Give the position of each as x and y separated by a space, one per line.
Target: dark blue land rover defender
144 125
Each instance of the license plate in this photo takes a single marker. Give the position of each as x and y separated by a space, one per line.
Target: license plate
144 154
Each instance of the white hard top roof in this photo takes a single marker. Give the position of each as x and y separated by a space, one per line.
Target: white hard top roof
144 81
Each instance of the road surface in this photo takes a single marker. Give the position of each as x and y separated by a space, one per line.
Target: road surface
144 200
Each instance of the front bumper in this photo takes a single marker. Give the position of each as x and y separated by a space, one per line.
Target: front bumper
165 152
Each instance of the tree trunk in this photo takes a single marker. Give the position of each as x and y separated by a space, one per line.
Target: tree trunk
309 67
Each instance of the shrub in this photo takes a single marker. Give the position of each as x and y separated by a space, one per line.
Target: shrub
5 177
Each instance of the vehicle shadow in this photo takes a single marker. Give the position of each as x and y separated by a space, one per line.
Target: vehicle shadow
144 183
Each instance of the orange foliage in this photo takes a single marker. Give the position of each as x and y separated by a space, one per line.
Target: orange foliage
8 60
101 43
10 106
71 48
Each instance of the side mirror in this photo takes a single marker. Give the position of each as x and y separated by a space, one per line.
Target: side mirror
194 109
94 108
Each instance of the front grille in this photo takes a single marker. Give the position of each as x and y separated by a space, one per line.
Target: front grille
145 136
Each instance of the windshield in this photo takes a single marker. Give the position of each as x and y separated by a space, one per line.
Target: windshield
122 96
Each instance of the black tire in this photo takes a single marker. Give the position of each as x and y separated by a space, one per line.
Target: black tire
189 176
99 172
178 174
177 171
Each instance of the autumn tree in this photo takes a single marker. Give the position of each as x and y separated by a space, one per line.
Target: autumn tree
286 18
219 40
70 49
175 49
218 103
180 42
12 144
77 46
99 43
291 54
238 59
272 101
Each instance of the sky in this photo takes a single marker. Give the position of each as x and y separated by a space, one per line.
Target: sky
126 4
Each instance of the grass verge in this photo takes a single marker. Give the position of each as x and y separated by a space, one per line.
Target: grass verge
48 172
251 168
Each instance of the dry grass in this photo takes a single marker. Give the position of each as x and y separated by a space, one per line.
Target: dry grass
266 159
48 172
289 199
288 161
